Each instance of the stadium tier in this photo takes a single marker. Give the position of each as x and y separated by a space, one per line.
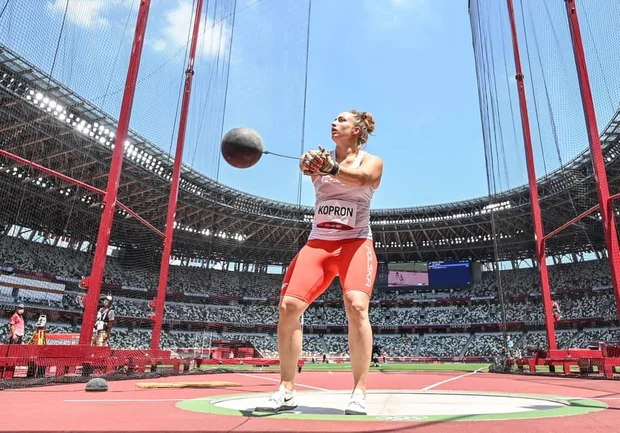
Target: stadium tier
464 280
206 304
233 226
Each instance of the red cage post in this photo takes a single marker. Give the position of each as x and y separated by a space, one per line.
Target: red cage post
174 189
602 186
93 283
531 174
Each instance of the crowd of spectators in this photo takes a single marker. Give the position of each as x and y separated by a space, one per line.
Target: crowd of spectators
581 289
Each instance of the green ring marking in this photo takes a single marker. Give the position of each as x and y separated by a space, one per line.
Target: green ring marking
572 406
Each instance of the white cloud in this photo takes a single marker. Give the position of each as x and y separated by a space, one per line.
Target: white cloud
85 13
159 45
393 13
213 36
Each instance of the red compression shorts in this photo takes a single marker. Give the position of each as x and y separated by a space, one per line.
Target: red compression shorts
316 265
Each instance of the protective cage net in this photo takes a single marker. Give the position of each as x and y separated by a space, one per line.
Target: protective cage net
63 70
577 261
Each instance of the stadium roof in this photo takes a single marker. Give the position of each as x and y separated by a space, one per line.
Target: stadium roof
45 122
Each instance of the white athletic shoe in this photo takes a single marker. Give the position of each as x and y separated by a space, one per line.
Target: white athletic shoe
357 404
283 399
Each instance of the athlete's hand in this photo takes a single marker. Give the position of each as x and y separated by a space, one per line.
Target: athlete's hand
328 163
311 162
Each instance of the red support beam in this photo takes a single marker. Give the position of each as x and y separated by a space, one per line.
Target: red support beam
77 183
109 200
573 221
598 162
174 189
51 172
539 238
140 219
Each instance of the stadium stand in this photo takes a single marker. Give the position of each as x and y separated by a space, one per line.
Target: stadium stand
324 321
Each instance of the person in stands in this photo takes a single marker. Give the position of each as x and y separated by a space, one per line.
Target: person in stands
104 323
17 326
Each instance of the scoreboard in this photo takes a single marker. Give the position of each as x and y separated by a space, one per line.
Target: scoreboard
420 275
449 273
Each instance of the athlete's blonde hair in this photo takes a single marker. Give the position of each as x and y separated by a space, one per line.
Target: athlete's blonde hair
366 123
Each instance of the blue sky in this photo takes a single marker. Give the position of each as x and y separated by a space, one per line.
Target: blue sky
553 94
408 62
398 62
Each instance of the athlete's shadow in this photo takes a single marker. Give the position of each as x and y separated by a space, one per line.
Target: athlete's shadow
317 410
305 410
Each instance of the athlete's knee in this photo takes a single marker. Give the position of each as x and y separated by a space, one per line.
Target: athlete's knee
356 305
292 307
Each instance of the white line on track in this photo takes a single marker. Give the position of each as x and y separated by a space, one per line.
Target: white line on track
278 380
129 400
450 380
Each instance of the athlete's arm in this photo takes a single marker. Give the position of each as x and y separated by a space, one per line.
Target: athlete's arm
367 174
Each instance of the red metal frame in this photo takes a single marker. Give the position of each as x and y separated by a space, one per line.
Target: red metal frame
531 172
50 171
573 221
605 359
606 205
109 200
174 190
139 218
102 360
78 183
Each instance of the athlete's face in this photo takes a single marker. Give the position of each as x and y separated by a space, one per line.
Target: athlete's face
344 129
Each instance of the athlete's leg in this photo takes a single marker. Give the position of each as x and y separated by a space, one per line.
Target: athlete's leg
358 267
360 336
289 338
308 276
